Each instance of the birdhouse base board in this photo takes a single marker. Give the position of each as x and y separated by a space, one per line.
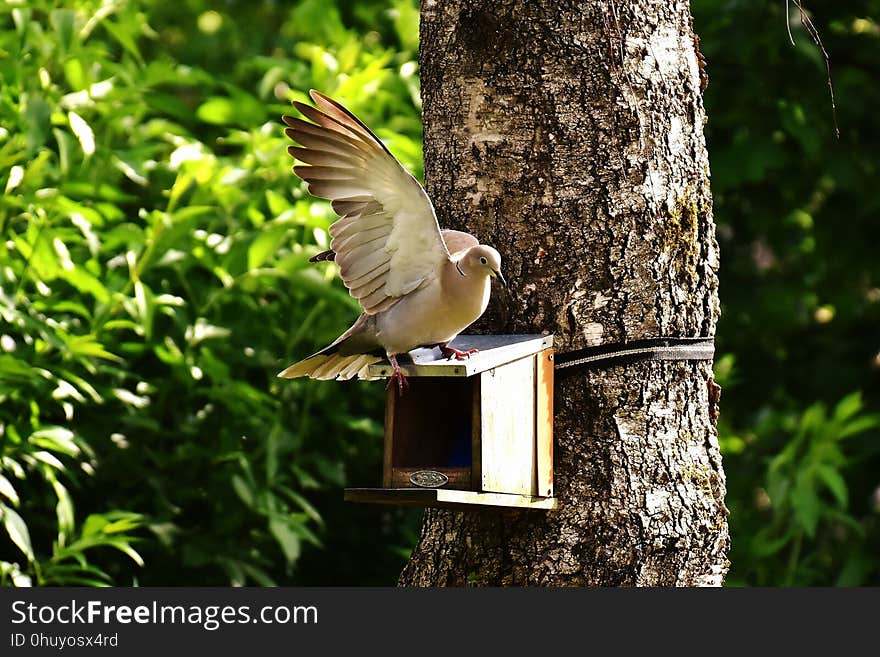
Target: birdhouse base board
446 498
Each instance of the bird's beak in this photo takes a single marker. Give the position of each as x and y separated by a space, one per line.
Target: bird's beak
500 277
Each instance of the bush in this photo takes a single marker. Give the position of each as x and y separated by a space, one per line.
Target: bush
155 278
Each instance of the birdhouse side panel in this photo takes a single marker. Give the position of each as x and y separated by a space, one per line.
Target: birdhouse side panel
507 422
544 422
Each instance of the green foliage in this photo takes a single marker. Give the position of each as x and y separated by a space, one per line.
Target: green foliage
154 278
800 287
807 496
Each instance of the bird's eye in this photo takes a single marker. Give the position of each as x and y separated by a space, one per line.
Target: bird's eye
483 261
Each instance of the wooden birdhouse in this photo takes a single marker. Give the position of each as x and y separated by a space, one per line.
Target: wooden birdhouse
471 432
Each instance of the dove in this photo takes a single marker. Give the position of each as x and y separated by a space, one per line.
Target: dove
418 286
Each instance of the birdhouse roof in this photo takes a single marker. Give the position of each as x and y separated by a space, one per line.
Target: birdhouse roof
494 350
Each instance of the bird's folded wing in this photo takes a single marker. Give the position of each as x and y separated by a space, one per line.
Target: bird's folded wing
387 240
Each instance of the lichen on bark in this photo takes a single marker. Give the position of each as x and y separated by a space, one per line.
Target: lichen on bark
570 137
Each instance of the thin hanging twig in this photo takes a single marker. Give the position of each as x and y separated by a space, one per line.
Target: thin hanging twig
788 23
814 34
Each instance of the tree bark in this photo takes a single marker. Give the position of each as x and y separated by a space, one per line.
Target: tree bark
569 135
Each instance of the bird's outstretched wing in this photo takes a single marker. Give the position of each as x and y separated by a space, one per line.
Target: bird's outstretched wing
387 240
457 242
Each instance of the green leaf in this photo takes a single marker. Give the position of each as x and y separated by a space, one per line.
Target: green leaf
217 110
83 132
806 503
49 459
83 385
278 204
87 345
36 114
86 283
12 368
858 425
835 483
125 546
64 509
42 256
124 38
62 22
75 73
125 522
848 406
17 530
288 539
265 245
243 490
258 575
304 504
812 419
57 439
93 524
8 490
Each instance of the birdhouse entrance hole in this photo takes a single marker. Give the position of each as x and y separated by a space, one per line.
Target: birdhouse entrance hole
431 429
472 432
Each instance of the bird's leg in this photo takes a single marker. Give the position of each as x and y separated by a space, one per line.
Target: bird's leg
457 354
396 375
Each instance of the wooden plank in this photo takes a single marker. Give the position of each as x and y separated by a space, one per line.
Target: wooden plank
544 422
459 478
507 421
390 399
476 436
495 350
446 498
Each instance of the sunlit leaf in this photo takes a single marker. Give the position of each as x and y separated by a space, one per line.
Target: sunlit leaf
64 509
8 490
16 175
49 459
86 345
218 110
83 132
57 439
17 530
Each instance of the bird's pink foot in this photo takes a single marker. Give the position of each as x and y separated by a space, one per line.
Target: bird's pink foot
457 354
396 375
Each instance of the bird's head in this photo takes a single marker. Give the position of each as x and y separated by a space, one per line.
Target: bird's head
482 260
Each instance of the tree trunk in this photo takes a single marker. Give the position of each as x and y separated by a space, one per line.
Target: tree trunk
569 135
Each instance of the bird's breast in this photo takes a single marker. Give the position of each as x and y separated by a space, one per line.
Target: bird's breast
434 314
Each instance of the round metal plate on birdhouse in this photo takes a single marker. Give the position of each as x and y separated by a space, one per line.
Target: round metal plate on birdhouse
428 479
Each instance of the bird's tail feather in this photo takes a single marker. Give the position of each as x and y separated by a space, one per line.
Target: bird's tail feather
328 366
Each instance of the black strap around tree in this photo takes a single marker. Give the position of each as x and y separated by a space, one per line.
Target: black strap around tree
699 348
